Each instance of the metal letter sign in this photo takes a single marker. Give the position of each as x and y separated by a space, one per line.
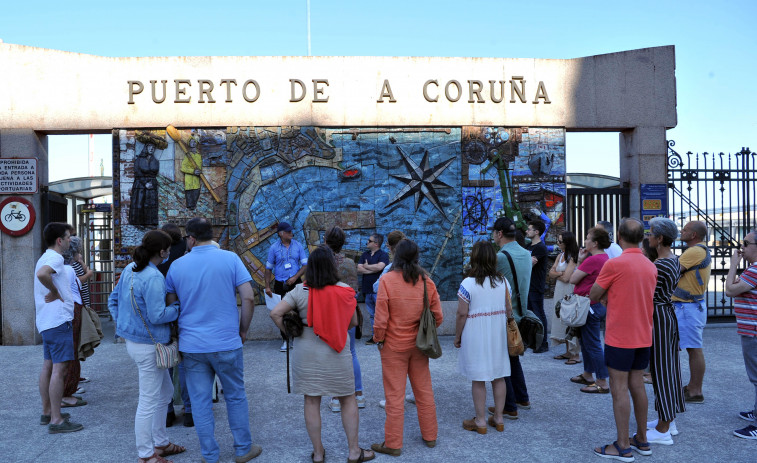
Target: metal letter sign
17 216
654 202
18 176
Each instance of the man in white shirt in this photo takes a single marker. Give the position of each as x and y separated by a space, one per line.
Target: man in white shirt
614 250
55 311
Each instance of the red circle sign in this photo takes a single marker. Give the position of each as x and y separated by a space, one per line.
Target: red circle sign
17 216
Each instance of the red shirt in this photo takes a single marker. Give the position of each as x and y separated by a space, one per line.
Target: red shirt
630 281
745 304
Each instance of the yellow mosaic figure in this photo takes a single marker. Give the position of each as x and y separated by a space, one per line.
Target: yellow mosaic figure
191 166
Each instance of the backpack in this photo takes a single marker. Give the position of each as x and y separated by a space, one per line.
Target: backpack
530 327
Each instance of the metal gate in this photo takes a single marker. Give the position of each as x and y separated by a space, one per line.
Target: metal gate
97 227
586 206
720 190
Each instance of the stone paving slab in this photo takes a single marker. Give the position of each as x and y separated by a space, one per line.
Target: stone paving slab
563 424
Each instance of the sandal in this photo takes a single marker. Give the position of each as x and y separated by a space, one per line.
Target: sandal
594 388
625 455
79 402
155 458
579 379
641 447
312 457
361 458
561 357
169 449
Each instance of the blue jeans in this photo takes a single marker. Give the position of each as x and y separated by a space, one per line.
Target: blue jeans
200 371
591 342
183 388
516 385
355 362
370 306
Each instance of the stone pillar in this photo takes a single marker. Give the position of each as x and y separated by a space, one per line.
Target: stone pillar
643 159
18 255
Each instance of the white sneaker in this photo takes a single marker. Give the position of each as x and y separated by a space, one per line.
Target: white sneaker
360 401
656 437
673 430
410 398
382 403
283 347
334 405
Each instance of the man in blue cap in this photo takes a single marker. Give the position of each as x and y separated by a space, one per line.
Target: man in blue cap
287 260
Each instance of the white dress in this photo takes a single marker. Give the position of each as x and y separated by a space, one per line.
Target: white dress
558 328
483 347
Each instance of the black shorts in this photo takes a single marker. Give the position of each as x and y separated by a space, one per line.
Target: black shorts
621 359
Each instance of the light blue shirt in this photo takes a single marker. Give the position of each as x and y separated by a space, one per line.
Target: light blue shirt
205 281
150 297
285 261
522 262
387 267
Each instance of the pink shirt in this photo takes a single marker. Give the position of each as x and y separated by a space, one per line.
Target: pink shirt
591 267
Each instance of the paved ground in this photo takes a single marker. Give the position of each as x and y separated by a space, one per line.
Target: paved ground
563 424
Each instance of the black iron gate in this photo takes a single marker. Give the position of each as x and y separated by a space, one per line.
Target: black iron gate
720 190
586 206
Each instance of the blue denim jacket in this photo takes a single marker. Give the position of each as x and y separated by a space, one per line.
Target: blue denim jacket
150 296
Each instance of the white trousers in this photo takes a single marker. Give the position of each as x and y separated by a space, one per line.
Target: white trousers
155 392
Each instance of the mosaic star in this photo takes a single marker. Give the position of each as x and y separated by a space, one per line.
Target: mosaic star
421 181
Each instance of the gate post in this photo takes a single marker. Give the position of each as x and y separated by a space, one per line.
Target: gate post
643 159
18 255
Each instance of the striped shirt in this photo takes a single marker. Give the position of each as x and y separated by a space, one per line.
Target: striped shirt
668 274
84 290
745 304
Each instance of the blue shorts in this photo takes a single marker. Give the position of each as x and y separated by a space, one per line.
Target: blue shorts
692 317
621 359
58 343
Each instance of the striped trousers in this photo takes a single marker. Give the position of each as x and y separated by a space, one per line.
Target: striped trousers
665 364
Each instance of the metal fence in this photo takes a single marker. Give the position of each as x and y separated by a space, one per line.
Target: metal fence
586 206
720 190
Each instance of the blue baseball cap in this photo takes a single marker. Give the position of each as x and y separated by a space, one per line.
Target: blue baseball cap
283 226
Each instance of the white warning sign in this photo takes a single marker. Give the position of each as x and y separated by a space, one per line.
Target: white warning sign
18 176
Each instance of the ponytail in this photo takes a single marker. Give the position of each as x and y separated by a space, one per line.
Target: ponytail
153 242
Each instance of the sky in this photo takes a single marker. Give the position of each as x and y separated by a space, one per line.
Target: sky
716 49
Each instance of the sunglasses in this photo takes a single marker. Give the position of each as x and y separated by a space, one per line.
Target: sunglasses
371 241
747 243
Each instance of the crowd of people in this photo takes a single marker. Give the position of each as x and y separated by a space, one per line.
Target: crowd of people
651 301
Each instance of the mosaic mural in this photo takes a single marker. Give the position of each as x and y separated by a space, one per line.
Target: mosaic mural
443 187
